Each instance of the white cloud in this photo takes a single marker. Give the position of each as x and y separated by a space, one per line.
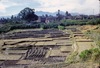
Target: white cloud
2 7
80 6
5 4
85 6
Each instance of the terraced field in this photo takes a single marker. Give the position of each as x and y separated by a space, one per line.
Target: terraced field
41 48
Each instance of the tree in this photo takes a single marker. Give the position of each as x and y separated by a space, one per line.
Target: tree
59 16
12 17
28 14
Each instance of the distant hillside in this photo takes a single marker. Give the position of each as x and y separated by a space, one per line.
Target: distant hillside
40 13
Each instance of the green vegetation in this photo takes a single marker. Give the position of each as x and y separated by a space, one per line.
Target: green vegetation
95 35
94 21
27 14
80 22
9 26
85 55
91 54
61 27
72 58
49 25
73 22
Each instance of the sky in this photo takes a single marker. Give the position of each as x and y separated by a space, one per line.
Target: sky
12 7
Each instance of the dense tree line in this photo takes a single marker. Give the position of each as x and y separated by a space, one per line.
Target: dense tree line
19 25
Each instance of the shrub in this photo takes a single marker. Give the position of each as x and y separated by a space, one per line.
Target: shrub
85 55
61 27
91 54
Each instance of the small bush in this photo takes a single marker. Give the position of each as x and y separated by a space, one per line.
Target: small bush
91 54
85 55
61 27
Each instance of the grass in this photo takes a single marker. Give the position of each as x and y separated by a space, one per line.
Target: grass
72 57
94 34
9 57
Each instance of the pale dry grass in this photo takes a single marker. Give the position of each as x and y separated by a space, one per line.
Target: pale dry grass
66 48
9 46
85 46
9 57
87 27
39 43
63 42
16 51
84 40
1 42
24 44
50 43
57 52
47 43
48 54
24 62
